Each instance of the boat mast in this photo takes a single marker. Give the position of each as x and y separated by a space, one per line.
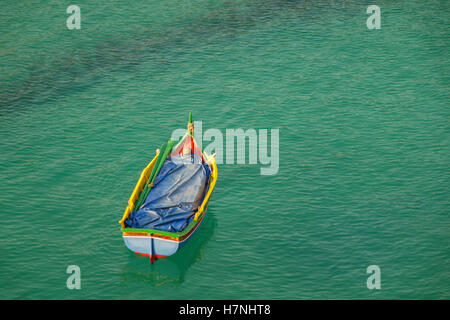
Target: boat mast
191 133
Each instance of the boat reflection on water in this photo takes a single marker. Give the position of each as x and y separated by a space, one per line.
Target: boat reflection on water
171 270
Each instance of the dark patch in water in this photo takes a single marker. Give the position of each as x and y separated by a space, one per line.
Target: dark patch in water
83 68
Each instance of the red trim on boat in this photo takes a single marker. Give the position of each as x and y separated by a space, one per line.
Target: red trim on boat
136 234
152 255
193 145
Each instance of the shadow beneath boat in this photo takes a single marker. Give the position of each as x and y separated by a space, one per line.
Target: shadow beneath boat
171 270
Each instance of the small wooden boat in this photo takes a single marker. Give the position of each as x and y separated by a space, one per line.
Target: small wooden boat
157 242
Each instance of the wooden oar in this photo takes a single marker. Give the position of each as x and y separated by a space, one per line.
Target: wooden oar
160 164
160 159
164 151
144 190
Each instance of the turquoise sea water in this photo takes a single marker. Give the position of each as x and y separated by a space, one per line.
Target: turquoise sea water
363 119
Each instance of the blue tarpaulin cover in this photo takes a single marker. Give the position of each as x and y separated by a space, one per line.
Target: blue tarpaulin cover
178 191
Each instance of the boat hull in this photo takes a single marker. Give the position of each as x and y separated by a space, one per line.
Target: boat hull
155 245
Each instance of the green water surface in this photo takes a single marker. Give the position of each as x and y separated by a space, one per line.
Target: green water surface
363 119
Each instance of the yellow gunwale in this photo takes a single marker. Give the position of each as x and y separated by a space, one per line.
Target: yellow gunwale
146 174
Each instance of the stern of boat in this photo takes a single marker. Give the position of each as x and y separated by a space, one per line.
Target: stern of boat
146 245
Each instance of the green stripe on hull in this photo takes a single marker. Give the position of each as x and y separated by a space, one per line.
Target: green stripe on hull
189 227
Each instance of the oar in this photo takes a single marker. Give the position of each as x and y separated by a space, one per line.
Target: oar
160 164
164 151
158 160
